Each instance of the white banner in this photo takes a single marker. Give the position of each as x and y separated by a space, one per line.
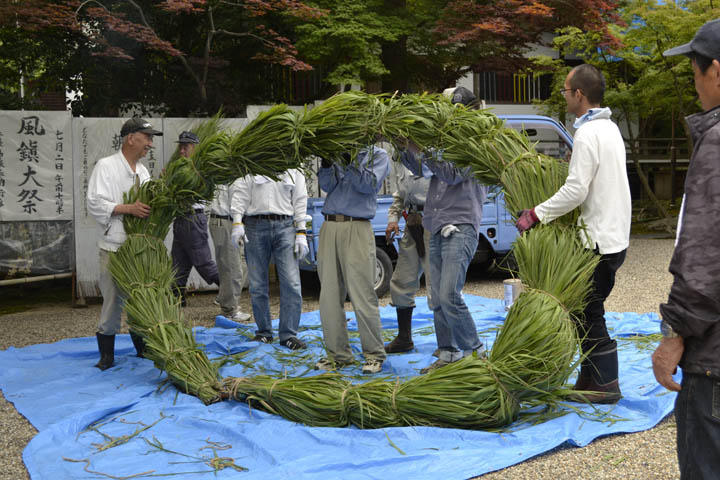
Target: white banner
35 166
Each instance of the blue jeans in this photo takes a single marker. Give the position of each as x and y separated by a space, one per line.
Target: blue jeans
274 238
697 412
449 260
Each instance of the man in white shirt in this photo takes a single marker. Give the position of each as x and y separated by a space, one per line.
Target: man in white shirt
112 177
270 221
228 255
597 183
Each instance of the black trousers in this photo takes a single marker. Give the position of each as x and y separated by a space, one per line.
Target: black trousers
697 412
592 325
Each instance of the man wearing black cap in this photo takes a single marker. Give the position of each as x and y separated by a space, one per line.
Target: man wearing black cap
691 316
190 247
112 177
452 214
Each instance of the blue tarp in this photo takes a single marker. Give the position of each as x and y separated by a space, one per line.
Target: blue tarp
87 419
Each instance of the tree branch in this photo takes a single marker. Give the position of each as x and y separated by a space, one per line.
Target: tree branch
245 34
183 60
77 10
208 44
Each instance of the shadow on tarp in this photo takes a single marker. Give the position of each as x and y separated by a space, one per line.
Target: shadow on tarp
127 421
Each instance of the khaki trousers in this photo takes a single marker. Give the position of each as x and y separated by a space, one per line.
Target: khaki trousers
405 281
229 264
113 300
346 266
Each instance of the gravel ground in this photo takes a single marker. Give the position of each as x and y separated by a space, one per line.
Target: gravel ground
642 283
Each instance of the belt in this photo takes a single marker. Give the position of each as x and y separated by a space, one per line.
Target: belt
199 210
270 216
344 218
222 217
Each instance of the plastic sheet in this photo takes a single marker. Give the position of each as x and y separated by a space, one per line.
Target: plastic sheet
36 248
126 421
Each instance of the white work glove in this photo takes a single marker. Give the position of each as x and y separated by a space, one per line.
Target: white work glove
448 230
238 234
301 246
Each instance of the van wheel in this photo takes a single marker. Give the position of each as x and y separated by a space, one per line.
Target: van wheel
383 272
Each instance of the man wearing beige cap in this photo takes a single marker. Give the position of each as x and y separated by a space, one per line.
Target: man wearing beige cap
691 317
112 177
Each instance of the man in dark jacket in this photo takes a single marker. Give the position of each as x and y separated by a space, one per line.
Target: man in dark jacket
691 316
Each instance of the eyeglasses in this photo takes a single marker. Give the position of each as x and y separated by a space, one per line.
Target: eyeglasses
563 90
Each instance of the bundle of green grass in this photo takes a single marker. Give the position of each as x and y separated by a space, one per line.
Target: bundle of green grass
533 354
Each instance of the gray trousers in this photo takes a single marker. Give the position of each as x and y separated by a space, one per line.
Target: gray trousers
190 249
346 266
405 281
229 264
113 301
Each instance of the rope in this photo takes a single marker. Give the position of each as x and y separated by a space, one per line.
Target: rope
557 300
500 385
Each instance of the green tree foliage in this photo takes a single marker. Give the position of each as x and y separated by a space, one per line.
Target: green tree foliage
642 86
183 56
413 45
347 41
43 58
645 90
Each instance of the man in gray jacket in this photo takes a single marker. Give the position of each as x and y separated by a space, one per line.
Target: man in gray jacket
453 211
691 316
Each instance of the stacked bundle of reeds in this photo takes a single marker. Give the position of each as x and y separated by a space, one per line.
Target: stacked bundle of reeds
533 354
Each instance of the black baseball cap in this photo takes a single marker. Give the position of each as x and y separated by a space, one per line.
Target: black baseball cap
706 42
138 125
188 137
460 95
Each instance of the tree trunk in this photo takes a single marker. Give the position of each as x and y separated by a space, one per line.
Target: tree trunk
394 56
635 155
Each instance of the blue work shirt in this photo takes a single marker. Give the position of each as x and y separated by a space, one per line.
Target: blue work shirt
352 190
454 196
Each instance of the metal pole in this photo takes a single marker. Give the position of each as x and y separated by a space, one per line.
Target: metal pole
673 160
41 278
22 75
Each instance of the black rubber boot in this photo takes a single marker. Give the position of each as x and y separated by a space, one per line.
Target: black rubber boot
139 344
583 378
403 342
106 346
603 386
